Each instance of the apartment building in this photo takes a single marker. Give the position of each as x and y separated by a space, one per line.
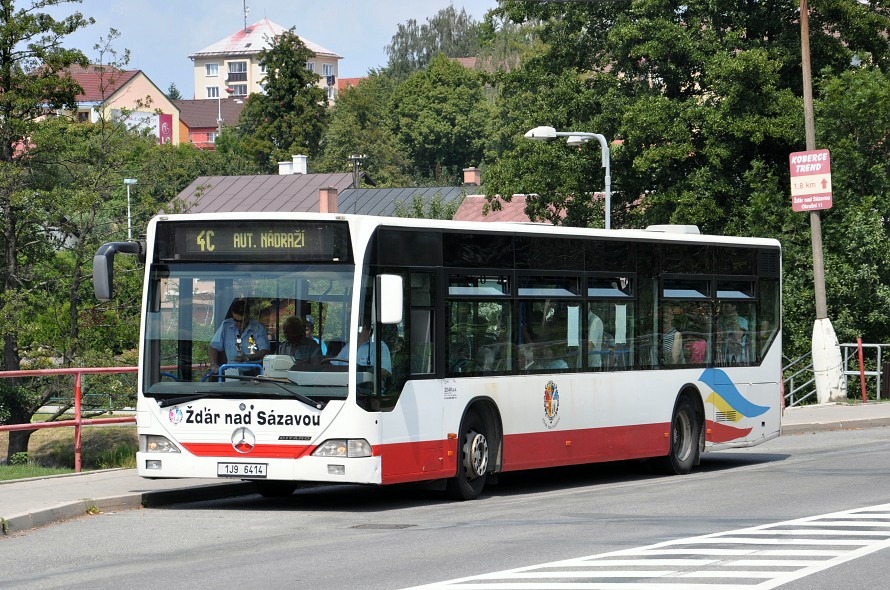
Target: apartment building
230 67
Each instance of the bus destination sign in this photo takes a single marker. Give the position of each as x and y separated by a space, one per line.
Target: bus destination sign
271 241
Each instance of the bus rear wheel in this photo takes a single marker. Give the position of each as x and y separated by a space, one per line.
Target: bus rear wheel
685 435
472 467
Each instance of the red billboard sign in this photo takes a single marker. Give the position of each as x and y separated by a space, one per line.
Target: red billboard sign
810 180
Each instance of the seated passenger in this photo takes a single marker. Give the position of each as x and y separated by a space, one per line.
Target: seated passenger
297 344
487 359
550 361
367 356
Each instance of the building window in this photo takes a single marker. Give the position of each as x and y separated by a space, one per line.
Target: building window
239 89
263 69
310 65
327 69
211 69
213 92
83 116
237 71
211 137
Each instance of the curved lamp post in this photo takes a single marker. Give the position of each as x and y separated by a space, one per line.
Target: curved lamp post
545 133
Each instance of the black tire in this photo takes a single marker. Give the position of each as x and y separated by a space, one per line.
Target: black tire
473 460
685 436
274 489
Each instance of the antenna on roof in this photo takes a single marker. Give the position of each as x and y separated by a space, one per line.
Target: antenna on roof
246 10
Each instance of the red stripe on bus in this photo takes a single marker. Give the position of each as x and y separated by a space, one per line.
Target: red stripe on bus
594 445
406 462
721 433
264 451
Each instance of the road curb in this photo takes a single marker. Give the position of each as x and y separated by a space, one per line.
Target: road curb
18 523
835 425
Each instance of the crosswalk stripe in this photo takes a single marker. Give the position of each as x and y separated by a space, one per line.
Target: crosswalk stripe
761 558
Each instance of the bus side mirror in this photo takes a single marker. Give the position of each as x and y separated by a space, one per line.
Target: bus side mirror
103 266
390 299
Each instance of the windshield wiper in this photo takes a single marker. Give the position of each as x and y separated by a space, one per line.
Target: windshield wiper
184 399
173 401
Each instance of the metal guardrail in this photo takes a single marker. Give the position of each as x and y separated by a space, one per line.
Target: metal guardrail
78 420
800 380
851 350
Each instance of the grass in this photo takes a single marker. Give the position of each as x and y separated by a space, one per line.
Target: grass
8 472
51 451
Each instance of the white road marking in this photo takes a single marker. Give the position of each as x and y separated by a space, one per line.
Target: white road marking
761 558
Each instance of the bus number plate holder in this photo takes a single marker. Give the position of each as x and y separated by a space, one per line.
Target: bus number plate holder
242 470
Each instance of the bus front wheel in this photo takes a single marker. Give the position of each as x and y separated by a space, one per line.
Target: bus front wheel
472 467
685 435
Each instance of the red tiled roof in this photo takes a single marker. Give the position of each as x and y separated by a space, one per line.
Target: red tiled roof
473 209
344 83
99 82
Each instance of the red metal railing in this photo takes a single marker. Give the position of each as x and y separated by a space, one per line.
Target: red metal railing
78 422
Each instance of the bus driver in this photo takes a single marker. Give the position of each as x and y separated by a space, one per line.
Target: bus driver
236 341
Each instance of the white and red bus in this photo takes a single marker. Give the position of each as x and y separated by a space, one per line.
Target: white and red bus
502 347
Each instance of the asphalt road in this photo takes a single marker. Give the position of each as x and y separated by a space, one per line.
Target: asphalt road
355 537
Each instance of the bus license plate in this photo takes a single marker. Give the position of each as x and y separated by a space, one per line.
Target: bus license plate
241 469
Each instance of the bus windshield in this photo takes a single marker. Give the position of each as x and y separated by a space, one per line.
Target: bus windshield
254 331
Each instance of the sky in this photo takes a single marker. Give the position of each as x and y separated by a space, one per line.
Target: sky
161 34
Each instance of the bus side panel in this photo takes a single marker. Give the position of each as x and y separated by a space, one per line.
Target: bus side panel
593 445
743 404
414 445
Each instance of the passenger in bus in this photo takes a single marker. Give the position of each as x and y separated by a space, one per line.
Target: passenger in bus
297 344
672 339
549 360
732 334
461 361
309 322
268 319
526 357
367 356
487 359
594 340
238 339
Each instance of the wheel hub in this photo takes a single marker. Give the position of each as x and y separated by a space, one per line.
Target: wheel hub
476 457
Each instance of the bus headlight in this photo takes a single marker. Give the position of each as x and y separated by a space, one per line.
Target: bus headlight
152 443
342 447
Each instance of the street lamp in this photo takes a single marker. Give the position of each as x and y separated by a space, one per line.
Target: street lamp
545 133
128 182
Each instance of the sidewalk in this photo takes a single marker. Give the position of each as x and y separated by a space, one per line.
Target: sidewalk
30 503
816 418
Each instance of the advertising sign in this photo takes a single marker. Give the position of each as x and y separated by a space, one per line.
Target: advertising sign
810 180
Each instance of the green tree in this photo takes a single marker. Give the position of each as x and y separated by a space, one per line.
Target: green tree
447 32
439 117
31 62
173 92
360 123
427 208
290 117
704 102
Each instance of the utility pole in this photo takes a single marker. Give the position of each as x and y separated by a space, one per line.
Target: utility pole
356 169
830 382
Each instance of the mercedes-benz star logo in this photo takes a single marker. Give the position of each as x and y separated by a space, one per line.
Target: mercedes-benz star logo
243 440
